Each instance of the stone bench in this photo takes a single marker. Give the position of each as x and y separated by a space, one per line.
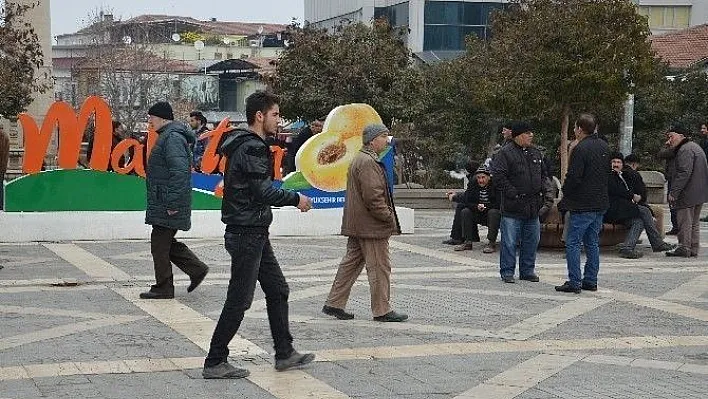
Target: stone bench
656 186
610 235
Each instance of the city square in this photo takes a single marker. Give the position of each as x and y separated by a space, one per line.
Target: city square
73 326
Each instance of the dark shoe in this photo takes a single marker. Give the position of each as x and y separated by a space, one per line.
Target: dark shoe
508 279
156 295
704 219
588 287
665 247
672 232
224 371
452 241
531 277
295 360
392 317
489 248
630 254
694 254
197 280
566 287
679 252
336 312
465 246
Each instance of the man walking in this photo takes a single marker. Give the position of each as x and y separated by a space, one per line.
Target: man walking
198 122
369 220
519 175
169 202
245 209
586 198
687 173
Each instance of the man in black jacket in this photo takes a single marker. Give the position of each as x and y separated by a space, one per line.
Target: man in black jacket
519 176
169 202
245 209
585 197
480 206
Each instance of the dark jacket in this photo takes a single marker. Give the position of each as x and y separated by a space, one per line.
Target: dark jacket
369 211
169 178
200 148
519 175
470 197
635 180
248 185
585 186
687 173
622 209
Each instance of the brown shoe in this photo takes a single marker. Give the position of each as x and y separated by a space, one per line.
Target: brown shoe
466 246
489 248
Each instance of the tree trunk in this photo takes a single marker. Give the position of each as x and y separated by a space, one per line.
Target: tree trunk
565 124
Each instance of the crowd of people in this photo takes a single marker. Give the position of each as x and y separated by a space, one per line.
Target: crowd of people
512 192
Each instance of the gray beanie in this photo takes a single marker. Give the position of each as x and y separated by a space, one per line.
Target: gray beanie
373 131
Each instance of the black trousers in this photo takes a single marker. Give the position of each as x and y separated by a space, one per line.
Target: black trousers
456 231
165 251
469 220
252 259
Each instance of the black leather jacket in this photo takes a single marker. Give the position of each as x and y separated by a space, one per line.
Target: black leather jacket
519 174
248 186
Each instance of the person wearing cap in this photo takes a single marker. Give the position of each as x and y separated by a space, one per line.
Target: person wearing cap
480 207
687 173
246 211
519 175
169 202
625 208
369 221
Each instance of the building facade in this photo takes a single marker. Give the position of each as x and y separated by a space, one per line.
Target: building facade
441 25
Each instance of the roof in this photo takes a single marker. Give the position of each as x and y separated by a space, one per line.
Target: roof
209 26
145 62
686 48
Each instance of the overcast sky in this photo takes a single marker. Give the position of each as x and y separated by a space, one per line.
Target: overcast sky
70 15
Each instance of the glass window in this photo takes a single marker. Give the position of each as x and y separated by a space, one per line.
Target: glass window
447 23
397 15
656 16
682 17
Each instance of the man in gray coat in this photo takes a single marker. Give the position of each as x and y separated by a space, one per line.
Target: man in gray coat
169 202
687 173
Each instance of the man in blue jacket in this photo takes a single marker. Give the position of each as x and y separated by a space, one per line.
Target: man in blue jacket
169 202
245 209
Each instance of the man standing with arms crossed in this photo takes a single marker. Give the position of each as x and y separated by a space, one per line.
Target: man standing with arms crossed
245 209
369 220
586 198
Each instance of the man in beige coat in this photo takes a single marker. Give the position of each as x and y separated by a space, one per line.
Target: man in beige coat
369 220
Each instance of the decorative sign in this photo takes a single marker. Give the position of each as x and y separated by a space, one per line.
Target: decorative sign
322 163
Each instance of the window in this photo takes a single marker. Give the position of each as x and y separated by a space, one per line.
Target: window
397 15
448 23
217 56
676 17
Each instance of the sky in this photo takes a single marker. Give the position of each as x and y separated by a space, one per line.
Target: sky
71 15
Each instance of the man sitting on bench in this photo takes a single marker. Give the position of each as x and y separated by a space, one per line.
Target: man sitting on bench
480 207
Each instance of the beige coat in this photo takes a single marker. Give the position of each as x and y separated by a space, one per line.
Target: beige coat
368 211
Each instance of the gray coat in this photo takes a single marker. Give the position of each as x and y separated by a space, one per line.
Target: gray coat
169 178
687 173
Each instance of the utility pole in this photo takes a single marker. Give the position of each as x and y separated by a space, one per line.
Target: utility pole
627 126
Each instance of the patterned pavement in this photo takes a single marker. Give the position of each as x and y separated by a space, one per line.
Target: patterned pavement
73 326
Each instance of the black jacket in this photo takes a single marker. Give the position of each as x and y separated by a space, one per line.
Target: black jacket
622 210
635 180
470 198
168 178
519 175
585 186
248 186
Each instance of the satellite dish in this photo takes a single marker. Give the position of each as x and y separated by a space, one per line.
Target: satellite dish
127 39
176 37
260 30
286 43
199 45
226 40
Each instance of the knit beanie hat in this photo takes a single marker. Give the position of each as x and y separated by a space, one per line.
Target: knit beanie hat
162 110
518 128
373 131
483 169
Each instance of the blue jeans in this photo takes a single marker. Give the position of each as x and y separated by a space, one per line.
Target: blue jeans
584 228
528 233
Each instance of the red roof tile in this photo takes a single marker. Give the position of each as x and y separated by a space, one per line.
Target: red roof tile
683 49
